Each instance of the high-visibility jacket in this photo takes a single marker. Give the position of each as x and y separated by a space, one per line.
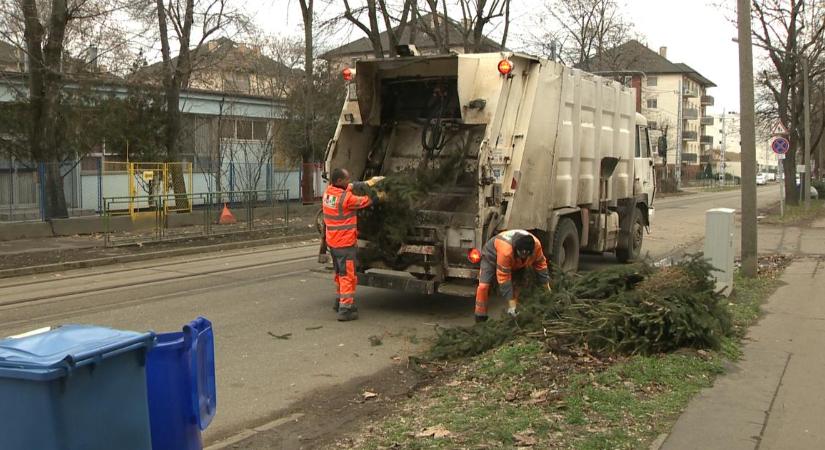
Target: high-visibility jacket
501 250
340 219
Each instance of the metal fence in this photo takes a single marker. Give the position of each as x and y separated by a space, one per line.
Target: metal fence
212 214
87 182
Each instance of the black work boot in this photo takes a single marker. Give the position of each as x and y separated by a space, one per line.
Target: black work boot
347 313
480 319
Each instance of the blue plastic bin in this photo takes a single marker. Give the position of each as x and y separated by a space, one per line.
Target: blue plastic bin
76 387
181 383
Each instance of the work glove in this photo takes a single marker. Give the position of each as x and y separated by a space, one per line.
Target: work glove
380 196
512 310
374 180
547 287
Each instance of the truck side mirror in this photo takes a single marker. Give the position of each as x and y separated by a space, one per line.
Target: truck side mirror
662 146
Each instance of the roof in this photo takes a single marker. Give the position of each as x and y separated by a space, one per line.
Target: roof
226 53
422 39
633 56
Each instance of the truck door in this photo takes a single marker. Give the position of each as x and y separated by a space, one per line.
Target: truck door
645 178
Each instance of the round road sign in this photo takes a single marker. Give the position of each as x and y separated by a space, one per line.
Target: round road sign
780 145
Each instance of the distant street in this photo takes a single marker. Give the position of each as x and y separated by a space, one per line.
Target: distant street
276 334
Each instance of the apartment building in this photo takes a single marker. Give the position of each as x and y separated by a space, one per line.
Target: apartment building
672 96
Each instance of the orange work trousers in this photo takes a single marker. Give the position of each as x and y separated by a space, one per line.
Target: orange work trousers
343 262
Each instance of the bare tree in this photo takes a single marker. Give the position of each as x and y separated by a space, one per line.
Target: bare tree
789 32
476 16
193 22
378 11
574 31
43 29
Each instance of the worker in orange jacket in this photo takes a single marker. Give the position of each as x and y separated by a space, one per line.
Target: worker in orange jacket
504 254
340 206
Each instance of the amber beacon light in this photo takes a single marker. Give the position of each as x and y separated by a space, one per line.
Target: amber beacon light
505 67
474 256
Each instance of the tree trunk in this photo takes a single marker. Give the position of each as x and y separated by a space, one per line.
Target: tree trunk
45 82
308 154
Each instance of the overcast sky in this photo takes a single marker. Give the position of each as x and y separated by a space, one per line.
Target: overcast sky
695 33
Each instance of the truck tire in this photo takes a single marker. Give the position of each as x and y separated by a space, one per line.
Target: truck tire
566 246
637 234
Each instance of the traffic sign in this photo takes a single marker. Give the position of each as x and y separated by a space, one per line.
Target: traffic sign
780 145
779 129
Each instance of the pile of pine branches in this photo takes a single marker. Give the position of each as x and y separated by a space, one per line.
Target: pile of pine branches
625 309
387 224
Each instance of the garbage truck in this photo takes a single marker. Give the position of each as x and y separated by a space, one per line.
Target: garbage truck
541 146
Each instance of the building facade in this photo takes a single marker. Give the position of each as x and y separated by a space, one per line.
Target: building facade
672 96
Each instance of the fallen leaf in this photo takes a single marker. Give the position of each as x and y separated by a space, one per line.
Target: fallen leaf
437 432
539 394
525 439
454 383
368 395
280 336
510 396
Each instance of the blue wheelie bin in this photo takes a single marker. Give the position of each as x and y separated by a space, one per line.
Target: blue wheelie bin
76 387
181 385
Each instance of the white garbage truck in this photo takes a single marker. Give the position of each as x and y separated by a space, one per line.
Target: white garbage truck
543 147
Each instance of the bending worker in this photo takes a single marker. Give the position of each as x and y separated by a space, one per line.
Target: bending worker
341 231
504 254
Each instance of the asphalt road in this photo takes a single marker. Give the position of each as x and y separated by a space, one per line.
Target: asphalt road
276 334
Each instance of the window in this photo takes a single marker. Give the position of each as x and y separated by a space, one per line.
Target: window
244 129
643 143
652 81
652 103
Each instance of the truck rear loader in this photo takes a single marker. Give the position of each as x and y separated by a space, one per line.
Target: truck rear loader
541 147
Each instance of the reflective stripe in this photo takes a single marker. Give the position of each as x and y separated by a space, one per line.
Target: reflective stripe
339 217
350 295
502 268
342 227
341 202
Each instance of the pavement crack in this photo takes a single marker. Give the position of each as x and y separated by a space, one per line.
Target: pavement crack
773 400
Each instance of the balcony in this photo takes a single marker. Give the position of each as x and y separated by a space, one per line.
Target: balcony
690 92
706 140
689 135
689 158
706 121
707 100
690 114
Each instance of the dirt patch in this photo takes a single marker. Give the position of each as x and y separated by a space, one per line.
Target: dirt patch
326 418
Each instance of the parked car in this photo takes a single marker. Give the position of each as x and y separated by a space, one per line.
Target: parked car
771 176
761 179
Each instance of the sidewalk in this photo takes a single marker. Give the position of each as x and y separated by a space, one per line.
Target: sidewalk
774 397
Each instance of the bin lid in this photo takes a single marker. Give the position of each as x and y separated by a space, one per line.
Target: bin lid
57 352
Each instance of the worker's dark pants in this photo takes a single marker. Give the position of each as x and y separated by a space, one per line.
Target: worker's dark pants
487 278
343 261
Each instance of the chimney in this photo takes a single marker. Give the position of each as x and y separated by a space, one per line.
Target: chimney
663 52
93 57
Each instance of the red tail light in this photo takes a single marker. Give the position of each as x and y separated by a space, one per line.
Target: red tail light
348 74
474 256
505 67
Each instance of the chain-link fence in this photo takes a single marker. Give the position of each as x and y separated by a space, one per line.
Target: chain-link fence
212 213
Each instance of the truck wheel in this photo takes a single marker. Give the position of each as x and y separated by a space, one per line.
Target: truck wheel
566 246
637 235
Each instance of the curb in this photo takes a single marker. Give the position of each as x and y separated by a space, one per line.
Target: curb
248 433
120 259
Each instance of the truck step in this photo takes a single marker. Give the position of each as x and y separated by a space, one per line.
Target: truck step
457 289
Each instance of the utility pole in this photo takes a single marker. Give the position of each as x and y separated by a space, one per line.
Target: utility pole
806 186
724 147
679 131
747 132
